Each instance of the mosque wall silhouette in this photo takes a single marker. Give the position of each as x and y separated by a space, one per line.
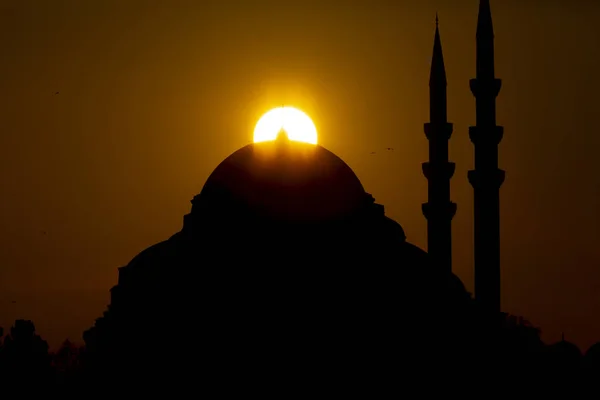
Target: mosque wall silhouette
285 256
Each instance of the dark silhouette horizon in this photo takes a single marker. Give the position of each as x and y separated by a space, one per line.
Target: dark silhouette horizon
287 276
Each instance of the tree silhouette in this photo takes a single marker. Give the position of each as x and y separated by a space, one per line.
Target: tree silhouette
66 358
24 359
67 365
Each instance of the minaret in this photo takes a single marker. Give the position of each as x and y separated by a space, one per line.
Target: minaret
486 178
438 210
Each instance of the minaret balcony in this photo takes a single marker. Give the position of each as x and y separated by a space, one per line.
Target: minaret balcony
444 170
485 87
438 130
439 211
486 179
486 135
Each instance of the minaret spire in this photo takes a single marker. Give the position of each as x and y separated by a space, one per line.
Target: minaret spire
438 210
485 41
437 80
485 26
486 178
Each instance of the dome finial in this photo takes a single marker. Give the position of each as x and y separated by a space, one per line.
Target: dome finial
282 135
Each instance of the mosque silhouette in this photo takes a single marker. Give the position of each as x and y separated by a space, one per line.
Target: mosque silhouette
287 273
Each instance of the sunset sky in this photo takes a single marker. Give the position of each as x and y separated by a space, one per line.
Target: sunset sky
114 112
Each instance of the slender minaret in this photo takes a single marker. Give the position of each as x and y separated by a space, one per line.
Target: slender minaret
486 178
438 210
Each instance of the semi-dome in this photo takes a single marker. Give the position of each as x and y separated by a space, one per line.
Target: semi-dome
284 180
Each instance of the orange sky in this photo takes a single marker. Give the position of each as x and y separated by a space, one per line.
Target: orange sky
154 94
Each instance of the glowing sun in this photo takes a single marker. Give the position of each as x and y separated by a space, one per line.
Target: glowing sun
297 125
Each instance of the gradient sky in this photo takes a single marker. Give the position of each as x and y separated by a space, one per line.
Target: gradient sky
154 94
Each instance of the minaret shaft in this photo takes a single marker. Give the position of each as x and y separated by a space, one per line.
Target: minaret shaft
438 210
486 178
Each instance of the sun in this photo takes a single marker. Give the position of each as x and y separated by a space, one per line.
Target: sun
298 126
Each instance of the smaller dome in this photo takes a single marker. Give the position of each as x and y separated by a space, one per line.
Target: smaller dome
283 180
565 353
594 351
592 357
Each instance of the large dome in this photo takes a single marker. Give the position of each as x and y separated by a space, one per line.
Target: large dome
284 180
